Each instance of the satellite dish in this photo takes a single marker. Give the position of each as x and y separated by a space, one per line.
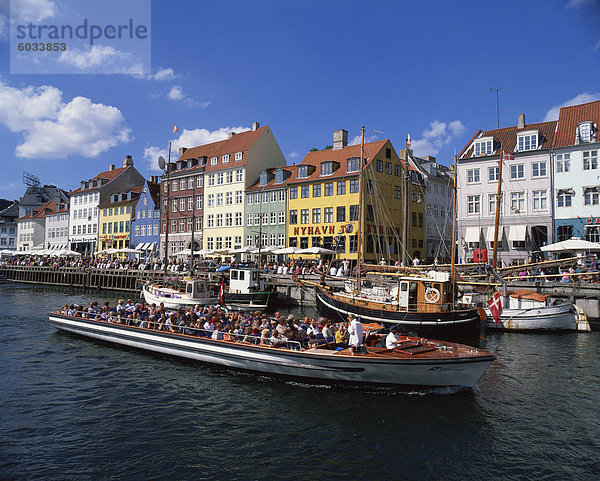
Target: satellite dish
161 163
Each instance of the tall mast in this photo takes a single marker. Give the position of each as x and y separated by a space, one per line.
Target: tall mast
167 216
453 242
405 211
498 200
193 225
360 209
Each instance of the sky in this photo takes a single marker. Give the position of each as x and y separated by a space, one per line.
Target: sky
303 67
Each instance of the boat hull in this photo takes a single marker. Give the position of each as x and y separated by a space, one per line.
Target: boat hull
547 318
324 367
464 324
252 301
172 299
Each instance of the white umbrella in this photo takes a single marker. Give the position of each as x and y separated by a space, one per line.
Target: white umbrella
286 250
7 252
127 250
64 253
244 250
574 244
316 250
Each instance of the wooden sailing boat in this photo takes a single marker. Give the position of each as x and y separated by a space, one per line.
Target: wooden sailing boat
423 305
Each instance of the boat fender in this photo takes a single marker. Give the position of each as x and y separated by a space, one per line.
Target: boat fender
384 307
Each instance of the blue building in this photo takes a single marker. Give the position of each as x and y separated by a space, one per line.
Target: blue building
145 229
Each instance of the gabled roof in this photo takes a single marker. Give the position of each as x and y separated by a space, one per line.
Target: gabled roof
569 117
10 211
507 138
41 211
107 175
271 184
240 142
315 158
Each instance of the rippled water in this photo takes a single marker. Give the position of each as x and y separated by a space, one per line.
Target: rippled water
72 408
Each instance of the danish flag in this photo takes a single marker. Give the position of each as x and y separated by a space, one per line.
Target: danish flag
222 293
508 155
495 306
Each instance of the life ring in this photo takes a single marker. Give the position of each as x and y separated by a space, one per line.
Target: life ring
432 295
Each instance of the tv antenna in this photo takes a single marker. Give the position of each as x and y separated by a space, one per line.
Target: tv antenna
31 180
497 89
377 132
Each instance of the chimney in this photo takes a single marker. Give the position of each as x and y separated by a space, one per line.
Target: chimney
230 134
255 125
340 139
521 124
128 161
111 167
182 151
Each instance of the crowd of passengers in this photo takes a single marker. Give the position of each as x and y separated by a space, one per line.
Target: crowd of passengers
214 322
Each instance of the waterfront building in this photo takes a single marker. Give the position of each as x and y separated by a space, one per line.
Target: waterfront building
31 228
115 219
37 195
526 201
439 182
229 167
8 225
577 173
57 227
83 214
145 225
323 202
266 210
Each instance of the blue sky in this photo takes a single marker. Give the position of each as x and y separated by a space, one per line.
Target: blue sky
305 68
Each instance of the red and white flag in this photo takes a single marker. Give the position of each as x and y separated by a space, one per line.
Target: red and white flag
508 155
222 293
495 305
408 141
175 129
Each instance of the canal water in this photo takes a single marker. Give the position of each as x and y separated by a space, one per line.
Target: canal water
72 408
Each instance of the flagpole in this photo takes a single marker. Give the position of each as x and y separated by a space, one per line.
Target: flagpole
498 200
167 213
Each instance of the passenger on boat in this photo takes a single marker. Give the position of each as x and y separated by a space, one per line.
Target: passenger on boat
356 333
217 334
313 328
392 340
342 335
208 325
327 331
282 328
277 340
120 306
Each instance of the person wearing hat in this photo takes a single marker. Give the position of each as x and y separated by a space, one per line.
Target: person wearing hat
356 333
392 340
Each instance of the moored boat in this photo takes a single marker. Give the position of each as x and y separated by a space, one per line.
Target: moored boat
415 362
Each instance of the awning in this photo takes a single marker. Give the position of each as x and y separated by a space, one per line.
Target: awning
489 235
566 190
518 233
143 246
152 246
472 234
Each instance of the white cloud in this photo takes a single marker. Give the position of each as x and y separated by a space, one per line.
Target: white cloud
582 98
189 139
101 58
54 129
32 10
163 75
436 137
176 93
293 155
368 138
579 3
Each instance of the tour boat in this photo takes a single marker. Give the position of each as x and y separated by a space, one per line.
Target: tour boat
192 292
416 362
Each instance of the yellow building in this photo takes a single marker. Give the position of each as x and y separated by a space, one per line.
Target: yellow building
115 220
323 202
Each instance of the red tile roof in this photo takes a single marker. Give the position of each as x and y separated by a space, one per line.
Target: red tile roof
568 119
240 142
41 211
271 184
107 175
507 137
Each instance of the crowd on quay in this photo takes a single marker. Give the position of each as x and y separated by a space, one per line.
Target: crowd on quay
212 321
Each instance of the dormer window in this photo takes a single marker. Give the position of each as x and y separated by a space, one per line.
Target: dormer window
302 171
213 160
327 168
353 164
264 178
225 158
527 141
484 146
585 132
238 156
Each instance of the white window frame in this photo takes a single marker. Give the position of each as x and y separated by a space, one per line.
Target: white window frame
540 166
484 146
473 176
527 141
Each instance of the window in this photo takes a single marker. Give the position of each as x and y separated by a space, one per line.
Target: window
590 196
304 191
517 171
492 204
563 163
281 196
540 200
181 225
220 198
211 179
370 186
189 225
328 214
280 240
181 184
199 181
250 199
220 178
473 202
341 213
397 170
239 196
354 186
229 198
273 218
316 216
229 177
397 192
493 174
353 164
517 202
317 190
213 160
265 218
225 159
173 226
293 192
218 242
592 233
198 224
302 171
174 186
563 198
341 187
228 219
326 168
584 132
256 219
379 165
190 203
527 141
238 156
265 197
328 188
211 200
293 217
388 168
281 218
210 220
198 202
249 218
590 160
190 183
219 219
209 243
538 169
239 175
174 205
257 198
483 147
304 216
353 213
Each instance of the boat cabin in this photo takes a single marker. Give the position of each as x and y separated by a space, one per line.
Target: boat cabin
430 294
196 288
244 280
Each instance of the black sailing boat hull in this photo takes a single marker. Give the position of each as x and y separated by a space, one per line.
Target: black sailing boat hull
463 324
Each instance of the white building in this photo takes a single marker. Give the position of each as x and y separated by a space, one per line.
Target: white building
31 228
57 228
526 201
